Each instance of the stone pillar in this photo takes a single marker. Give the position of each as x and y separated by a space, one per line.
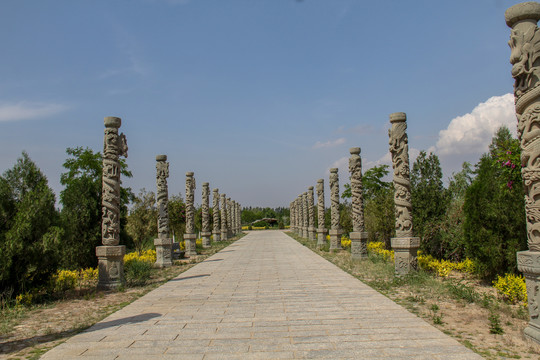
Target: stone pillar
359 236
335 228
311 214
190 237
525 49
233 217
404 244
163 243
111 255
321 230
205 231
229 218
224 235
215 214
305 215
239 212
291 216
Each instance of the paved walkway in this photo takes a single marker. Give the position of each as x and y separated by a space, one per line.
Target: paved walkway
264 297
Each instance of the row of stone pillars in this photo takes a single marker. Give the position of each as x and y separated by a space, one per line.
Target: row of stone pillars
111 255
405 246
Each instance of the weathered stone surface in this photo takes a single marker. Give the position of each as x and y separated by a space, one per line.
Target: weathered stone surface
311 213
405 258
114 145
321 230
305 215
229 218
205 233
164 243
189 236
335 228
358 236
224 234
110 266
525 59
215 214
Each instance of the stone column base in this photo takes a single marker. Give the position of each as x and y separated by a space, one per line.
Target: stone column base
311 233
359 245
224 236
216 236
111 266
305 233
529 265
335 239
163 252
190 245
405 254
206 239
321 237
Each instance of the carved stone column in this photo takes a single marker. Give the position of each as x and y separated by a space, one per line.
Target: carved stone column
215 214
311 214
229 218
163 243
205 231
111 255
305 215
300 216
359 236
404 244
239 212
335 228
190 237
233 217
291 216
224 235
321 230
525 50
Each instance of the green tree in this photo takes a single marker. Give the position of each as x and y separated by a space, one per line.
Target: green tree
429 201
29 237
142 220
494 213
177 217
81 207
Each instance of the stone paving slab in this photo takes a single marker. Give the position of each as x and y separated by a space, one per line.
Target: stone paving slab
264 297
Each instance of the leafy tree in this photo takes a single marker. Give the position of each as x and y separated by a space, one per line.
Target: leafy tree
81 211
494 213
177 216
429 201
142 220
29 237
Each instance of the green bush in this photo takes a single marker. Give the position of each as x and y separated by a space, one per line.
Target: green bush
137 272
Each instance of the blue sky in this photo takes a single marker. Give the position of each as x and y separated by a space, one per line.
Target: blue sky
258 97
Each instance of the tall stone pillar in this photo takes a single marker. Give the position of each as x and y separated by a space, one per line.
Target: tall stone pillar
224 234
190 237
111 255
229 218
215 214
239 214
300 216
335 228
321 230
205 231
311 214
404 244
291 216
305 216
359 236
525 50
163 243
233 217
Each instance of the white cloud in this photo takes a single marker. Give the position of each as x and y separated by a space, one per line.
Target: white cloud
329 143
472 133
28 110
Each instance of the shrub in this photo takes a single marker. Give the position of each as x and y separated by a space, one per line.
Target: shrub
378 248
345 242
512 288
137 272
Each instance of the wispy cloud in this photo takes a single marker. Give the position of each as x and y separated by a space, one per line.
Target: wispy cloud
329 143
28 110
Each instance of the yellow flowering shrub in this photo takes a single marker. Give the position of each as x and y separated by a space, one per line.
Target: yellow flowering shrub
327 237
65 280
24 299
147 256
245 227
443 268
511 287
258 228
377 247
345 242
198 242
